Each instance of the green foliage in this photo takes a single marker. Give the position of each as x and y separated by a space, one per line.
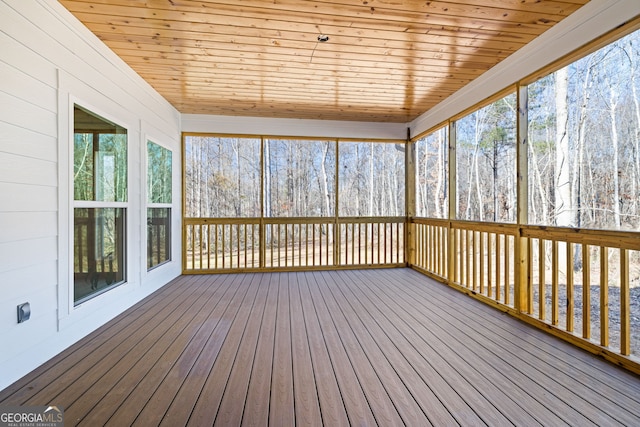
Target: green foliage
159 170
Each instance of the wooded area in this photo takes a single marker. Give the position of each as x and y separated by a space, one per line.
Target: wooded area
299 178
584 151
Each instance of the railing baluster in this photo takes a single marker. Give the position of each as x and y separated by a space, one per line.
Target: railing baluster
286 244
529 286
200 245
499 258
301 244
554 283
625 326
306 239
490 263
586 292
507 269
472 260
481 257
604 296
542 289
313 244
570 290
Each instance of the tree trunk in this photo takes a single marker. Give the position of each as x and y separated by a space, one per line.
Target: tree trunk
440 165
325 182
615 166
563 208
371 189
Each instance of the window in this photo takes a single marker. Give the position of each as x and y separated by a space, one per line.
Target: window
486 163
371 179
299 178
432 168
100 204
584 152
159 170
223 175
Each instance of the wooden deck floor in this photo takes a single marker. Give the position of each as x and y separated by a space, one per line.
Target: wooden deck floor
367 347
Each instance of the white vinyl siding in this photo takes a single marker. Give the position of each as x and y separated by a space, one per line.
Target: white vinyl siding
49 60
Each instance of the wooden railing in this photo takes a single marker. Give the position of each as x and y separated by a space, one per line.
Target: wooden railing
264 244
575 282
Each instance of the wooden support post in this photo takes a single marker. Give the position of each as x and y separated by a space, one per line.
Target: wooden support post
262 255
522 280
337 256
453 197
410 199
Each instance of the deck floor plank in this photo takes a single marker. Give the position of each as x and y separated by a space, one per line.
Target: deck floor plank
92 347
331 401
353 395
82 387
281 411
442 367
554 352
101 400
335 348
305 392
499 383
180 410
369 354
258 397
379 401
216 381
148 403
431 405
594 403
137 388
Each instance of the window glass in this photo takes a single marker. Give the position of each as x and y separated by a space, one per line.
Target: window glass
584 153
299 178
371 179
100 175
158 236
99 159
159 170
432 157
486 163
223 175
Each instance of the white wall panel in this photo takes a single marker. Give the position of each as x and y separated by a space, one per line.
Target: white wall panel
24 170
19 283
27 253
27 198
50 60
27 143
38 224
18 112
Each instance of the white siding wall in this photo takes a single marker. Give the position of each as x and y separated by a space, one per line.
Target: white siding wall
48 61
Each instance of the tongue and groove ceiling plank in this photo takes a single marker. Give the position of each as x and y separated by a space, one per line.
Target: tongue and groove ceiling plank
385 60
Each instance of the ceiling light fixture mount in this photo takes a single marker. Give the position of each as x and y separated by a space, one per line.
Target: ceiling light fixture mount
322 38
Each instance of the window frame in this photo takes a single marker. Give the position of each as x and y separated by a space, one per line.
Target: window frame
150 205
93 204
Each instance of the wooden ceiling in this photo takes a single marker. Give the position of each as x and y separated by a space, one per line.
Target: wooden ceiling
385 60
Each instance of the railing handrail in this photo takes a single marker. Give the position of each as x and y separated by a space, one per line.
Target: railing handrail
619 239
